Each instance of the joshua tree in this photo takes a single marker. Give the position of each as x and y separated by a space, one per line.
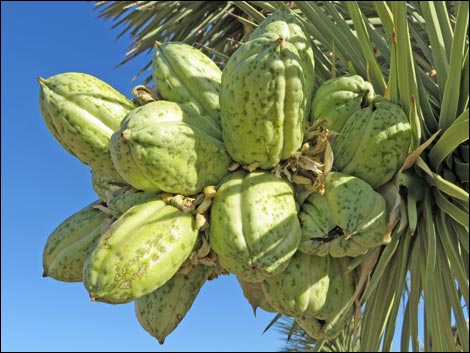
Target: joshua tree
416 54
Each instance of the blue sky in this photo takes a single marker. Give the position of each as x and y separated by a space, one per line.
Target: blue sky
42 185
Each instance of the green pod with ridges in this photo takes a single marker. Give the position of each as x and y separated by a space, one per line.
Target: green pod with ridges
161 311
338 91
373 143
284 24
72 241
183 74
122 199
82 112
167 146
337 117
254 226
104 185
253 292
262 102
312 286
325 329
140 252
347 220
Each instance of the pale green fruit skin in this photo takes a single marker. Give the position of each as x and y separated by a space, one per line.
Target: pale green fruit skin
183 74
140 252
374 143
313 286
337 117
328 329
161 311
122 199
254 226
351 204
68 246
253 292
284 24
338 98
166 146
82 112
262 102
103 185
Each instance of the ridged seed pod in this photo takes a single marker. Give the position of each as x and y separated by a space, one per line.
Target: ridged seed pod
82 112
167 146
373 143
311 286
339 97
183 74
284 24
104 185
253 292
69 245
262 102
254 226
327 329
140 252
348 219
161 311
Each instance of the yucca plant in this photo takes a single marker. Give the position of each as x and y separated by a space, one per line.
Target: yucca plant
416 54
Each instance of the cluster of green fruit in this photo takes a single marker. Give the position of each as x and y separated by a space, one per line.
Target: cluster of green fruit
245 171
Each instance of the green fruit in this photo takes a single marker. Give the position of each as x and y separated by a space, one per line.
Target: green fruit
166 146
337 117
161 311
373 143
338 91
262 101
82 112
140 252
122 199
254 226
346 220
284 24
253 292
72 241
313 286
104 185
183 74
325 329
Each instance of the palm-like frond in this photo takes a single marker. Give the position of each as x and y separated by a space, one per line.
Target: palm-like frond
415 53
212 24
298 341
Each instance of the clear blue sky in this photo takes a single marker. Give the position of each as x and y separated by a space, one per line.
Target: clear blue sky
42 185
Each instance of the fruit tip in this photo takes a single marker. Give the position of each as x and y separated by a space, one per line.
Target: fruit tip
161 341
254 307
92 297
44 274
41 80
125 134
